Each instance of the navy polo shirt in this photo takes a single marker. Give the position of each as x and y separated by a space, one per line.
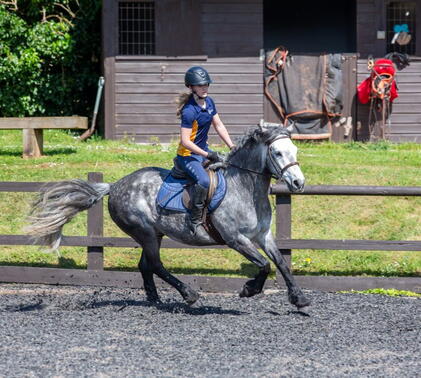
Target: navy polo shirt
198 119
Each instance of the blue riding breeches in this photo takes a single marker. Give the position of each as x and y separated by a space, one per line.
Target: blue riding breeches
192 165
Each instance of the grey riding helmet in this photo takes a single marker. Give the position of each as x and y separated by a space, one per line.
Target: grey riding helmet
197 76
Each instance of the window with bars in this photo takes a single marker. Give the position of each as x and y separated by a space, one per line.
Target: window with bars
399 14
136 28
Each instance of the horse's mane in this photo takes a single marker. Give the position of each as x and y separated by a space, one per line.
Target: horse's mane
258 135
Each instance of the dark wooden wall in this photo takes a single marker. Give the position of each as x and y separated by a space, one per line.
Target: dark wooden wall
371 17
369 20
232 27
225 37
178 27
405 120
145 93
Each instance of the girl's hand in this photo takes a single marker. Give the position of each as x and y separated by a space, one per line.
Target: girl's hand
215 157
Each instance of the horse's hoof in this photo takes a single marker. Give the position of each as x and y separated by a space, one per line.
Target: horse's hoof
191 297
302 302
299 300
244 293
248 292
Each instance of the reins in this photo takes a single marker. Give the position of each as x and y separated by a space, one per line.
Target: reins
281 173
245 169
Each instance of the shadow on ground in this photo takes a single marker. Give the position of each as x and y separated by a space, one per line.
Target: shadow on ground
121 305
48 152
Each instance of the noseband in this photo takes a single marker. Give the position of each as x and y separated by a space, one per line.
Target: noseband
272 160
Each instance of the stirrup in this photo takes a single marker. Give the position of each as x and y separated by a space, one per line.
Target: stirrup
194 226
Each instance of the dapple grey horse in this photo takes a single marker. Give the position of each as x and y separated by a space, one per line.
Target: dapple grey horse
243 218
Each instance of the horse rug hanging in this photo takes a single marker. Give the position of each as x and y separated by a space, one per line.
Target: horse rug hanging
305 91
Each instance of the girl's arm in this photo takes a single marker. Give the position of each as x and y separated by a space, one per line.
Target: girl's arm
222 131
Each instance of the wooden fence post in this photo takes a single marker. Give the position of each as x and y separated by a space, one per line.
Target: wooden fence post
283 224
96 227
32 143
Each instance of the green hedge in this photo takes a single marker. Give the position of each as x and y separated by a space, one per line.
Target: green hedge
49 57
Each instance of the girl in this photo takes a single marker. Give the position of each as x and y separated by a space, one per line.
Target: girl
197 112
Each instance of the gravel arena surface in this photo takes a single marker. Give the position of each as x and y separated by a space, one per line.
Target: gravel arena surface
51 331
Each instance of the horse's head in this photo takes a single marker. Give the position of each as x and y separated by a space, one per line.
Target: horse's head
268 148
282 161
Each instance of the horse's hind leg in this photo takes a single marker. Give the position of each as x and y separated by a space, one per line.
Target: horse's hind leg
244 246
151 244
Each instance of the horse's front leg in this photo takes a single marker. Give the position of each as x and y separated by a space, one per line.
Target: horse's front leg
245 246
295 295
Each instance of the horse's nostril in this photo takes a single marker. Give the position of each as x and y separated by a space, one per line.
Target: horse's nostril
296 183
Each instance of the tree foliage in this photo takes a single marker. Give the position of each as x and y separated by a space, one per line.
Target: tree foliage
49 56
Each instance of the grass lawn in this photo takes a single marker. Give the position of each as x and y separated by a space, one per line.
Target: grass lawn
314 217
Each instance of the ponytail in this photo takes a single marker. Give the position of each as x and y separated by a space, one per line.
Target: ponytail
182 100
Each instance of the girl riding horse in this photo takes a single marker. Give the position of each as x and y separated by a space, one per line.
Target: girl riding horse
197 112
243 218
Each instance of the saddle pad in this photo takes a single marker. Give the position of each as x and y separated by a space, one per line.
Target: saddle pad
170 194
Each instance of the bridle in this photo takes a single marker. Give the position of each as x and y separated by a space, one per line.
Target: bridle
272 161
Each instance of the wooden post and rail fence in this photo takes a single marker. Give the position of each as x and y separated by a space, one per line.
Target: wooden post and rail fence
95 241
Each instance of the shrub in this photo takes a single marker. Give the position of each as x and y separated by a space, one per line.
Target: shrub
49 57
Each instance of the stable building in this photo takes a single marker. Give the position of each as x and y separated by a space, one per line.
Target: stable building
149 44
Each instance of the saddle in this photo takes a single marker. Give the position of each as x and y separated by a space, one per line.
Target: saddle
175 194
178 173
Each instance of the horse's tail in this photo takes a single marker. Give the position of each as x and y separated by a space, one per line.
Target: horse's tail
57 204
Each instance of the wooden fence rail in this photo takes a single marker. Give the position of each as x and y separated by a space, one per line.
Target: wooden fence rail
95 242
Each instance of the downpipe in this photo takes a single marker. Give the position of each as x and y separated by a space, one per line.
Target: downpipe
91 130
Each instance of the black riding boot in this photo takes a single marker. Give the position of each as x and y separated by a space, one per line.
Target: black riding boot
198 199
